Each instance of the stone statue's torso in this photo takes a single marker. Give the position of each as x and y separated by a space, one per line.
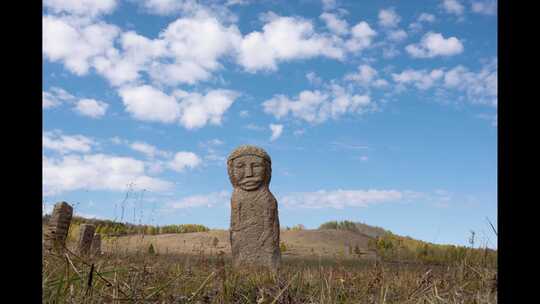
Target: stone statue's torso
254 228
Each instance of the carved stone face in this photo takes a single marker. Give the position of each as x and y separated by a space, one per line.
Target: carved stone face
249 172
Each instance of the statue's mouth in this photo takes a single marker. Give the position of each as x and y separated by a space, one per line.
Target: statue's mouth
251 183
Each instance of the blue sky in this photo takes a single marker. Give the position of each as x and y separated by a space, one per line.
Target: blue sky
383 112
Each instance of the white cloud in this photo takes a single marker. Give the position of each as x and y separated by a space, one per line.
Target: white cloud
388 18
204 200
197 110
424 17
136 55
479 87
91 108
397 35
183 160
186 51
453 7
339 199
168 7
313 78
336 25
147 149
364 158
55 97
422 79
361 37
282 39
149 104
81 7
61 143
329 4
488 7
276 131
434 44
97 172
366 76
316 106
194 45
76 43
191 7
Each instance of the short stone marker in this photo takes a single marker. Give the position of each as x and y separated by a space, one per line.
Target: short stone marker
95 249
254 231
55 235
85 238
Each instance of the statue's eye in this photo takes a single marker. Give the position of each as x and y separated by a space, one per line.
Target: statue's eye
239 165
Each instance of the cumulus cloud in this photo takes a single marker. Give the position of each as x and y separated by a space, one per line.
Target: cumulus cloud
388 18
282 39
422 79
197 110
91 108
203 200
479 87
366 76
397 35
191 48
434 44
313 78
183 160
137 53
148 149
97 172
453 7
423 18
59 142
276 131
334 24
56 96
191 7
194 44
168 7
339 199
76 43
488 7
149 104
361 37
81 7
317 106
329 4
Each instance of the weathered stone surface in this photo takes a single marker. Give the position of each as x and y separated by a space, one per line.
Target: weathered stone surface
85 238
254 231
95 249
54 238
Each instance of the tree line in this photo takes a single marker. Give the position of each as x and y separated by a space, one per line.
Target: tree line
113 228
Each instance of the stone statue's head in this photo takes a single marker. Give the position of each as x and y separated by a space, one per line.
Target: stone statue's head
249 168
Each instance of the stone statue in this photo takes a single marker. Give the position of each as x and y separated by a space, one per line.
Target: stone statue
254 231
85 238
95 248
58 227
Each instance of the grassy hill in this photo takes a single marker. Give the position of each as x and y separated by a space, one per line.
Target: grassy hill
344 239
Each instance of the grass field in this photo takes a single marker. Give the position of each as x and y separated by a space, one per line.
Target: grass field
137 276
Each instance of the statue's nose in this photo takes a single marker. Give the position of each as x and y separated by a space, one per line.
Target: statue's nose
249 171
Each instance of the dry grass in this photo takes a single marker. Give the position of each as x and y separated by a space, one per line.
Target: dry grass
121 276
328 243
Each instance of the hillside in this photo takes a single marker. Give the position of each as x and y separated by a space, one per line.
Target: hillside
332 239
297 243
